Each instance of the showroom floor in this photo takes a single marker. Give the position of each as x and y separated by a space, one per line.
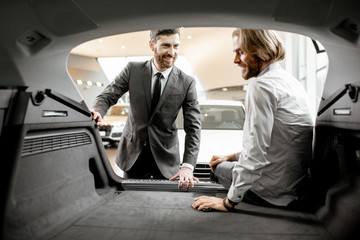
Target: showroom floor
111 153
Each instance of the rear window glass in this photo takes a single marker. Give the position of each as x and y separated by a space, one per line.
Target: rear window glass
218 118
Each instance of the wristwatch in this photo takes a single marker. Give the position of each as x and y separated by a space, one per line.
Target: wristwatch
232 204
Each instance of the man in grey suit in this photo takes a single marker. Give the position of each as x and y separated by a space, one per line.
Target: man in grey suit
149 146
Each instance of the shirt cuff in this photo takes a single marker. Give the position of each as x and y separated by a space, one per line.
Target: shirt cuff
234 195
188 165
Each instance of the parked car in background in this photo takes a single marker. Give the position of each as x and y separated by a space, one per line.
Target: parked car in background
114 123
221 132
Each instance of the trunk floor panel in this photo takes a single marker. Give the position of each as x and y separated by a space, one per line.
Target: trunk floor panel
169 215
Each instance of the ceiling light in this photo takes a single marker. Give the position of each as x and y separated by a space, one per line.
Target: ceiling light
189 37
123 47
225 89
79 82
100 40
89 83
99 84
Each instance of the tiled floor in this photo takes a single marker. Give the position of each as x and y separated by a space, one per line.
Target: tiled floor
111 153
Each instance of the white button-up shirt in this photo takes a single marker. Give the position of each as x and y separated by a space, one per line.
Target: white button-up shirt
277 140
163 80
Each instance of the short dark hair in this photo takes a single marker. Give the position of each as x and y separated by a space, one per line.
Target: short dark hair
157 32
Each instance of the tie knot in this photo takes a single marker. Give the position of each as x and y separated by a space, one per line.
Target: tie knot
158 75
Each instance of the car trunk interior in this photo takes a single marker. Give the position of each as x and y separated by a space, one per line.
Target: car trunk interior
59 184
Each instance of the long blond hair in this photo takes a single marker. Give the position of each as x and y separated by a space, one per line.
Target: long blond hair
266 45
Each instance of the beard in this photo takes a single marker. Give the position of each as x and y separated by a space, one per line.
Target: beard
161 59
252 68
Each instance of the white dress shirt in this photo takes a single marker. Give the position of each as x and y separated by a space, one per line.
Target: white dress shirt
163 80
277 140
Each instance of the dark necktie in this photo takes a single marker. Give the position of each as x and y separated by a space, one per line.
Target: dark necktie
157 91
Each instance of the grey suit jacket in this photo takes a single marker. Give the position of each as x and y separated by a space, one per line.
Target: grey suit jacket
159 128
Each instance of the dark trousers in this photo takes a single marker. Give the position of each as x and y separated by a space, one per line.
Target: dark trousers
145 166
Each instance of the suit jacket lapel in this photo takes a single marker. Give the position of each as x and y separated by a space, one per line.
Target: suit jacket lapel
146 77
173 76
167 90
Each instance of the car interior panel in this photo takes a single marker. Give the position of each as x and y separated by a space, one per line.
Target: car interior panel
56 179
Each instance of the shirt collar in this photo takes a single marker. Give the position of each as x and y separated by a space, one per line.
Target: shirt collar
271 66
164 73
